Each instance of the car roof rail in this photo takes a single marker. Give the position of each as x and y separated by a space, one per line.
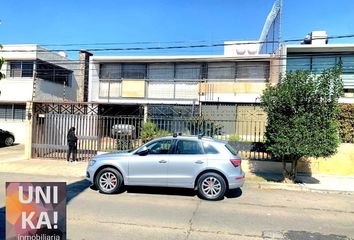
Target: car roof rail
201 135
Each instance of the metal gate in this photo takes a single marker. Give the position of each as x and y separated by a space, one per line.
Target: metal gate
114 133
50 130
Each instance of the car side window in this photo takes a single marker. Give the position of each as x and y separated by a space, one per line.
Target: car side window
188 147
209 149
160 147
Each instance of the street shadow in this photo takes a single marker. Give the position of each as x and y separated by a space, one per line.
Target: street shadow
2 222
162 191
4 146
76 188
271 171
234 193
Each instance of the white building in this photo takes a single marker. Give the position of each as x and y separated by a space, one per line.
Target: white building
32 73
316 55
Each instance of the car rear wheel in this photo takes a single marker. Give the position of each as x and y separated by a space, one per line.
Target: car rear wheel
211 186
109 180
9 141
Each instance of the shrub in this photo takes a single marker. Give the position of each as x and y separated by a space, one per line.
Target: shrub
346 123
150 130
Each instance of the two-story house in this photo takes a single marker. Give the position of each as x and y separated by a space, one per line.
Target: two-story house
215 86
316 54
32 73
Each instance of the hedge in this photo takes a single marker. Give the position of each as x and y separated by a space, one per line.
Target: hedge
346 123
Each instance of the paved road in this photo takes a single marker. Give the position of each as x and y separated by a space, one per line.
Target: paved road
179 214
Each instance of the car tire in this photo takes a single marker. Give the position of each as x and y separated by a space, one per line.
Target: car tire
109 181
211 186
9 141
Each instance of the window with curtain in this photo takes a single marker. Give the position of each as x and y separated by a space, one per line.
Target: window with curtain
134 71
161 71
225 70
252 70
188 71
110 71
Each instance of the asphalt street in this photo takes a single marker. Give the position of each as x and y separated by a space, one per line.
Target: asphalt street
160 213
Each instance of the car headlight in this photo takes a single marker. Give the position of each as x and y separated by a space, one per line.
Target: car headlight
92 162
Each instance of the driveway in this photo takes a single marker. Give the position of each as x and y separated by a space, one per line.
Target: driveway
12 153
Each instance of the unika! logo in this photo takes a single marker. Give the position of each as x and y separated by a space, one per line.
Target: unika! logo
38 195
35 210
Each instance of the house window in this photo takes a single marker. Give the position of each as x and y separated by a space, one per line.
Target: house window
188 71
21 69
321 63
134 71
298 63
110 71
117 71
221 70
161 71
252 70
12 111
348 64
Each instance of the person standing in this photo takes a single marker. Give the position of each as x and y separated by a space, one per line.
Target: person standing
72 144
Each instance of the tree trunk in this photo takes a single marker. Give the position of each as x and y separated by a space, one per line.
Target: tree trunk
286 173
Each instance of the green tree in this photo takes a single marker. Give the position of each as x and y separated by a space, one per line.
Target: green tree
150 130
302 112
1 62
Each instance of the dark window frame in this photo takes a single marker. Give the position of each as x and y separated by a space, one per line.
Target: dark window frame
25 73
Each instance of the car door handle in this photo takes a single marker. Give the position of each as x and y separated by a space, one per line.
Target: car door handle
199 162
162 161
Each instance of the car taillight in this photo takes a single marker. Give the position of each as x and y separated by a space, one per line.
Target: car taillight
236 162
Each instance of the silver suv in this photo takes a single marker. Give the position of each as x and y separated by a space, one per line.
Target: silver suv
207 165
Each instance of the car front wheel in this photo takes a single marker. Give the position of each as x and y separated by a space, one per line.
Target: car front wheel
9 141
109 180
211 186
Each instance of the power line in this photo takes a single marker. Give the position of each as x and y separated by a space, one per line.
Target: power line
181 46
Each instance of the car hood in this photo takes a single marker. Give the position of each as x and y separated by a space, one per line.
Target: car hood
112 155
4 131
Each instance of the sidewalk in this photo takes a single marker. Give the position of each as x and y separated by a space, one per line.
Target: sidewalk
315 183
321 183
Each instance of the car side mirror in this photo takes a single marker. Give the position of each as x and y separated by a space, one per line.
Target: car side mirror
143 151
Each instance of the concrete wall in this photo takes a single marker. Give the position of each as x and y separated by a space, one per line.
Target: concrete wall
17 127
50 91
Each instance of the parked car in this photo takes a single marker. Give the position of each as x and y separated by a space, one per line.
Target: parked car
6 138
207 165
123 129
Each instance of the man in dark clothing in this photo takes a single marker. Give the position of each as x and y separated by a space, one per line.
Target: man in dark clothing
72 143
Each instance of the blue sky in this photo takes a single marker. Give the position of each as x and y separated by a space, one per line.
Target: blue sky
88 21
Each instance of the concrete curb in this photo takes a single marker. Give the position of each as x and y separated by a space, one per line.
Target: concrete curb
290 187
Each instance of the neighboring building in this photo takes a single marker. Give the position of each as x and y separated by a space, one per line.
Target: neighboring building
183 85
32 73
316 54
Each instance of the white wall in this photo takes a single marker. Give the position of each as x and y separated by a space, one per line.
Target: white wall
17 127
16 89
93 94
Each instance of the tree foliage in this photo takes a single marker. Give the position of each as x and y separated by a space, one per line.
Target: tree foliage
150 130
302 113
1 62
